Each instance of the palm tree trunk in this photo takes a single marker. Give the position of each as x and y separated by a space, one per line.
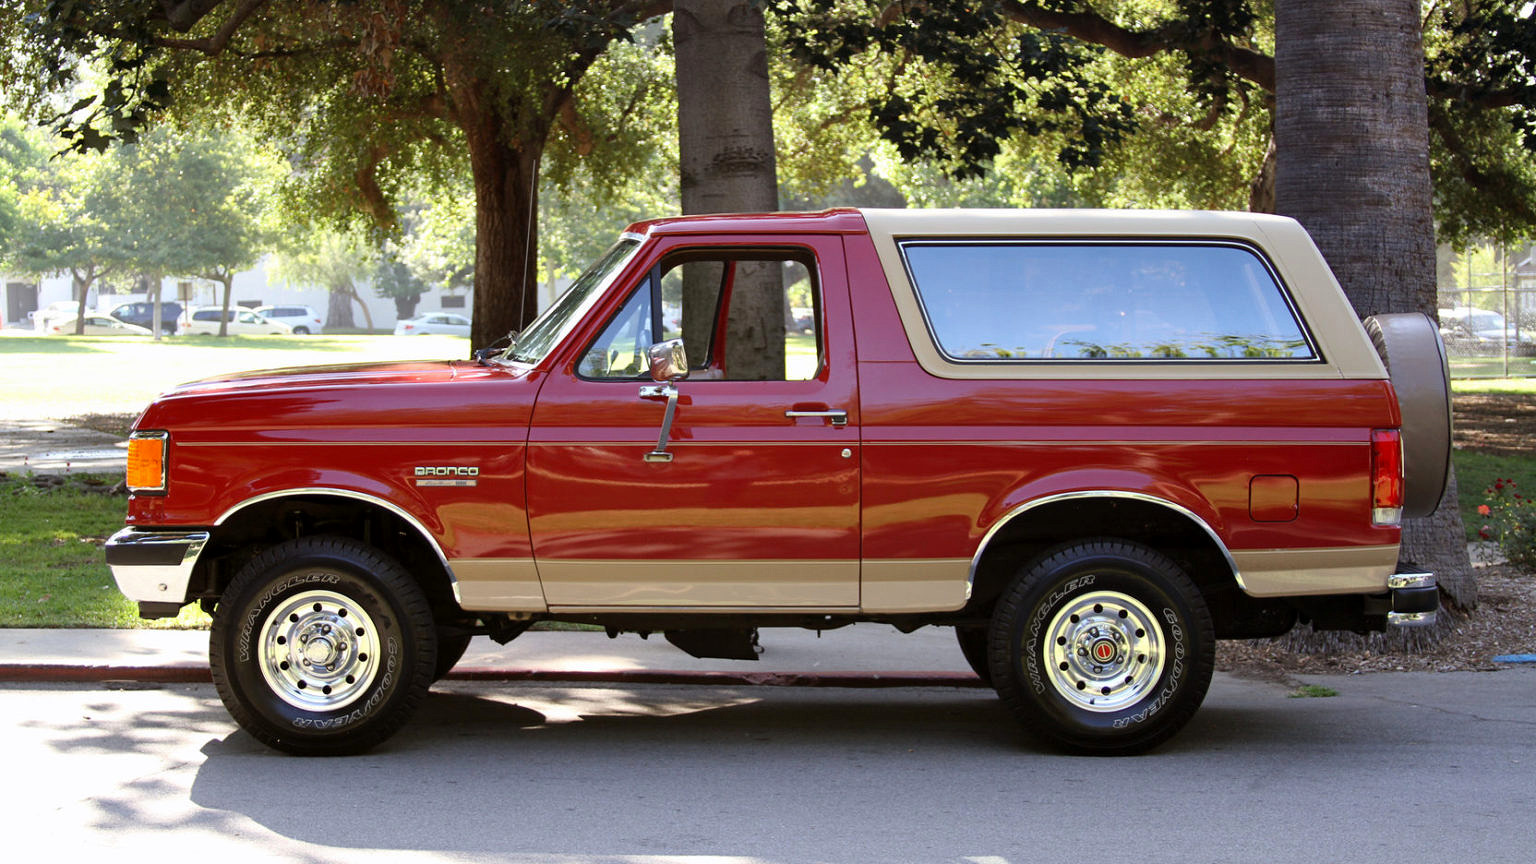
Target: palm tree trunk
725 147
1352 165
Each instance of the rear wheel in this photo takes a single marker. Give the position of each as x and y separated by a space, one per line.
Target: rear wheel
322 646
1102 647
301 331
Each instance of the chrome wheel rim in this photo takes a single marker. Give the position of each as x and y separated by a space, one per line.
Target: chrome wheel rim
1104 651
319 651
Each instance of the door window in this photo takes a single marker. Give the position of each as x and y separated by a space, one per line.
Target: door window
744 315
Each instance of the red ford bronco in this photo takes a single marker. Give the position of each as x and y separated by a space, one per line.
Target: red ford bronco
1091 442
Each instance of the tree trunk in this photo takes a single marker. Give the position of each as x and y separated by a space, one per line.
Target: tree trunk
229 283
725 147
367 314
153 288
338 308
82 288
1352 138
405 305
506 176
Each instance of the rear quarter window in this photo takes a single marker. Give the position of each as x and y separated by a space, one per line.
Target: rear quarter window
1053 301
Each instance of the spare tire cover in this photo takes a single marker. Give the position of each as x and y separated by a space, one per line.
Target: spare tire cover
1410 347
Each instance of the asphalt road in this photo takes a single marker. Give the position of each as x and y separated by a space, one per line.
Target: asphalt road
1404 767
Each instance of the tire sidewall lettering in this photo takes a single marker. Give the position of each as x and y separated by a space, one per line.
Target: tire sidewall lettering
1034 651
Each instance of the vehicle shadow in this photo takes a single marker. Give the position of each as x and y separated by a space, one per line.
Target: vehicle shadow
783 775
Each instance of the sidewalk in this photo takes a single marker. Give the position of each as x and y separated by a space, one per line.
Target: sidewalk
862 655
50 447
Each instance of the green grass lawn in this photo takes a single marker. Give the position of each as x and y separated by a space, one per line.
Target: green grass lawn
56 377
51 568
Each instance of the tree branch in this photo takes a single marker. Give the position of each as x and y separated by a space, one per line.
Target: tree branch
183 15
216 43
1245 63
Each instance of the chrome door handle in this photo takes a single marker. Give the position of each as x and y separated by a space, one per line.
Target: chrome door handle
838 418
669 393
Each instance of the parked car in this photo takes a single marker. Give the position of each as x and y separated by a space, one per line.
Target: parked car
1483 331
96 325
44 318
143 314
1091 443
303 319
242 322
436 322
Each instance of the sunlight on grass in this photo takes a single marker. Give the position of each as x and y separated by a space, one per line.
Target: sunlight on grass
52 573
1525 386
66 376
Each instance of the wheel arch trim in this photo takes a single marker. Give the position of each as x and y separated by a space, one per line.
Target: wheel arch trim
1021 509
364 497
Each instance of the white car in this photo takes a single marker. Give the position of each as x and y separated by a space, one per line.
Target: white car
96 325
43 319
303 319
242 322
433 322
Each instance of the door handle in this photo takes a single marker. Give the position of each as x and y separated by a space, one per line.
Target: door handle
669 393
838 418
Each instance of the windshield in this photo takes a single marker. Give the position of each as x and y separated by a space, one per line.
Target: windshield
548 329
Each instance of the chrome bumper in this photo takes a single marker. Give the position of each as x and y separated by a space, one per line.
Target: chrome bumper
1415 599
154 567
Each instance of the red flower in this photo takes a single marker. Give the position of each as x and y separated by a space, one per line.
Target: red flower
1485 532
1484 510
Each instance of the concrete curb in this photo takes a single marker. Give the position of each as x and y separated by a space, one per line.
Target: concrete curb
52 673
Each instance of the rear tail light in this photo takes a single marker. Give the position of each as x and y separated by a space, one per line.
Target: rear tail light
146 462
1386 477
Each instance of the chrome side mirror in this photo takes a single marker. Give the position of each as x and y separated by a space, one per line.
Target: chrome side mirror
669 361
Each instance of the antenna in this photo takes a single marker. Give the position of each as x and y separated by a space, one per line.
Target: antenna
533 198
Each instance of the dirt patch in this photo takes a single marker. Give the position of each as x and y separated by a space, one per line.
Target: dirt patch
112 424
1501 424
1503 623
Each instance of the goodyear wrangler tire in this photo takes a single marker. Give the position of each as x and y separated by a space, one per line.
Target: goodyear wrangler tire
1410 347
1102 647
322 646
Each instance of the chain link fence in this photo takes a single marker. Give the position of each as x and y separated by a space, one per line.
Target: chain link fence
1489 332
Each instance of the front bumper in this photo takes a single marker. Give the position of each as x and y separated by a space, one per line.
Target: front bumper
154 568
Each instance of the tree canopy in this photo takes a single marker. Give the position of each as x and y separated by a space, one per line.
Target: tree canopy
1128 84
369 100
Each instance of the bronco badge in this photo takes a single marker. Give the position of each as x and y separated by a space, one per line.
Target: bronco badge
447 475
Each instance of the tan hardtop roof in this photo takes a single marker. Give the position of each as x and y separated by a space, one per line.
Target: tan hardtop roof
1346 351
1076 223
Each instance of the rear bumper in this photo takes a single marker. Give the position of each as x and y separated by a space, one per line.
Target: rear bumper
1413 598
154 568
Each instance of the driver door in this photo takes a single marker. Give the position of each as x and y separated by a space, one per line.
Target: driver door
751 500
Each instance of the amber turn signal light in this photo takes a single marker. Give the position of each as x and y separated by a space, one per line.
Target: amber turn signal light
146 462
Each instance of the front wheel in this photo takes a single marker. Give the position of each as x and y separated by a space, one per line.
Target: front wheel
1102 647
322 646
